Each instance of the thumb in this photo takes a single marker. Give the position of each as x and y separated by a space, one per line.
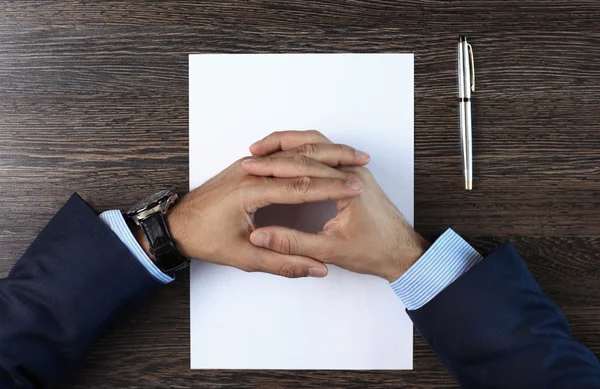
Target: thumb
292 242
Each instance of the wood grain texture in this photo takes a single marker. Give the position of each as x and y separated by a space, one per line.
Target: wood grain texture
94 99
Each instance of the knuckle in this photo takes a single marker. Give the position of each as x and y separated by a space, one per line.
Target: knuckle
307 150
286 245
342 148
266 160
301 185
289 270
314 132
345 152
301 162
352 175
350 152
330 244
246 182
324 253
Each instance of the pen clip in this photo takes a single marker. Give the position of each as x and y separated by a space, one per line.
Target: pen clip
471 57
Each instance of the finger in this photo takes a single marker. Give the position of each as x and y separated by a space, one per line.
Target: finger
291 266
329 154
285 140
292 242
289 167
300 190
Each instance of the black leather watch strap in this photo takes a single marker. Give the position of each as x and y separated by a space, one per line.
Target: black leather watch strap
162 246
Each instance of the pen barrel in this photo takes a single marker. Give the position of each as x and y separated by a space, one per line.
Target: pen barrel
466 142
464 108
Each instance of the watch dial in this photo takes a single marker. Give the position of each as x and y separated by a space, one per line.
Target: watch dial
149 201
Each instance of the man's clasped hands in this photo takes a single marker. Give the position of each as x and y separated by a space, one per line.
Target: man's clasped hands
215 222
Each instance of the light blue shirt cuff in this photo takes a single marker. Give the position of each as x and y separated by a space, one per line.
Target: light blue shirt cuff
447 259
114 219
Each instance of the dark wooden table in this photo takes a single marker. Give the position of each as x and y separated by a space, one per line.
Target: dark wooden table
94 99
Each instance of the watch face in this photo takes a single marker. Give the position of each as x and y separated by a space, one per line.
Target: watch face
149 202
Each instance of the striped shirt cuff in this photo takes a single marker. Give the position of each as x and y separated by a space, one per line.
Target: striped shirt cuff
446 260
114 219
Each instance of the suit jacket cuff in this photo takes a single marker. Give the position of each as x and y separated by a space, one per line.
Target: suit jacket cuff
71 286
114 219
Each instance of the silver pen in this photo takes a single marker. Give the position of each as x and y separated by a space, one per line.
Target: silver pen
466 84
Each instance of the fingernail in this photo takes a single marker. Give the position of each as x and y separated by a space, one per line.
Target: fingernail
355 185
318 272
249 161
260 239
362 155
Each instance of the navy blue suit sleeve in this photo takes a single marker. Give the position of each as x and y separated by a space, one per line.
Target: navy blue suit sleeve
71 286
494 328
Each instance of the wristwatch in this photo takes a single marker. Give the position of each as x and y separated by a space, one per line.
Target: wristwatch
150 215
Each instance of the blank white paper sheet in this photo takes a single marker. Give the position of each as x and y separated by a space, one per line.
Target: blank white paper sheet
258 321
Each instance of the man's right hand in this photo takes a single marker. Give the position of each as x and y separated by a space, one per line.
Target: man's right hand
214 221
369 234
